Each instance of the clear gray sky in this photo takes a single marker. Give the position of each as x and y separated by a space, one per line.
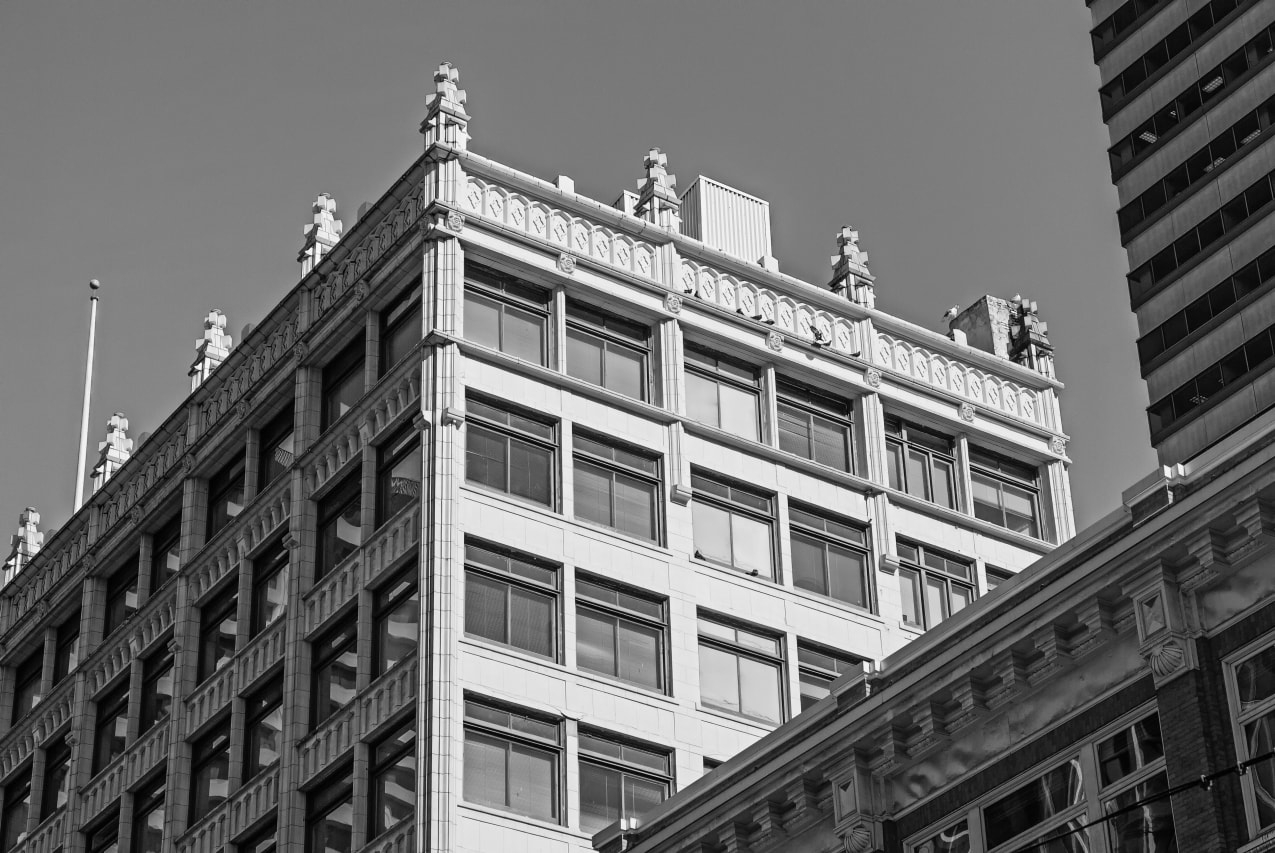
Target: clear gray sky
172 150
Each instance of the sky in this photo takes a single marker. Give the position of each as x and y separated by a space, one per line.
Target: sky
173 150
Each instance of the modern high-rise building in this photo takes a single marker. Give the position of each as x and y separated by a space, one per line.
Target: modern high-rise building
1188 95
515 515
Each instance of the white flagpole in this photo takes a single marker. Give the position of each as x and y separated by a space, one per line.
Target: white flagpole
88 388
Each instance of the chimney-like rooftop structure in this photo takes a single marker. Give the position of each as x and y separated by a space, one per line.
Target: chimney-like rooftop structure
114 451
729 220
24 545
1009 328
211 350
321 234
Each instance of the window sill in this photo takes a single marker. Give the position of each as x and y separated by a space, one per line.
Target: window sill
843 608
738 719
781 457
519 822
624 689
513 499
611 533
489 646
1038 546
730 572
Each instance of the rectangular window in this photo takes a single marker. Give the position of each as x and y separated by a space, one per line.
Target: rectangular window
620 634
340 525
17 806
225 495
398 473
506 314
393 779
210 771
512 761
111 726
1005 492
1253 711
57 773
121 595
617 487
722 392
511 599
148 817
818 667
26 684
264 840
396 610
619 779
607 351
829 556
329 822
166 560
996 577
342 383
401 325
104 836
934 585
741 671
67 654
733 525
921 462
335 667
815 426
510 452
157 687
1036 806
218 629
276 448
270 571
263 727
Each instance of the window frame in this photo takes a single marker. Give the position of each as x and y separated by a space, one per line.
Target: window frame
998 470
801 520
222 485
330 510
146 800
617 763
121 585
609 331
923 571
814 404
1241 717
400 446
511 737
165 540
154 666
326 650
899 437
259 706
740 649
28 677
66 653
617 612
809 667
102 833
708 364
387 599
273 562
513 581
210 746
508 433
382 766
505 291
324 799
58 752
220 608
393 319
586 449
110 709
270 438
17 793
701 484
339 375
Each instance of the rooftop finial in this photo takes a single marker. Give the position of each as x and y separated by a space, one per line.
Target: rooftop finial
321 234
23 545
114 451
211 350
446 121
657 192
1029 337
850 269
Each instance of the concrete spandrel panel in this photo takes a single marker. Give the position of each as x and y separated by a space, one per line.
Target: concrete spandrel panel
1253 166
1196 282
1187 364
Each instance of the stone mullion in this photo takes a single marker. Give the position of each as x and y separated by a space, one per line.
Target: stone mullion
296 682
964 484
439 710
184 646
1059 523
252 464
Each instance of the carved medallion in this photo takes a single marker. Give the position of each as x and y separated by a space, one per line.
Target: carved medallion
135 515
241 409
455 221
775 341
966 411
360 291
566 263
1057 445
672 303
873 377
299 352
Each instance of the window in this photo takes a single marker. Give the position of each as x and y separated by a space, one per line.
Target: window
398 473
342 383
1121 22
920 462
67 654
263 727
264 840
512 760
619 779
1042 807
1130 770
510 452
815 426
111 726
393 778
218 629
617 487
26 684
818 667
1195 392
996 577
620 634
740 671
829 557
157 688
121 595
511 599
340 525
225 495
57 773
17 806
335 666
1005 492
722 392
733 525
270 570
396 610
148 817
1253 712
401 325
607 351
506 314
210 771
934 585
104 836
276 448
166 559
329 824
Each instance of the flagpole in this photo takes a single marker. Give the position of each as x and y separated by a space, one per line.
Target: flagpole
88 388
